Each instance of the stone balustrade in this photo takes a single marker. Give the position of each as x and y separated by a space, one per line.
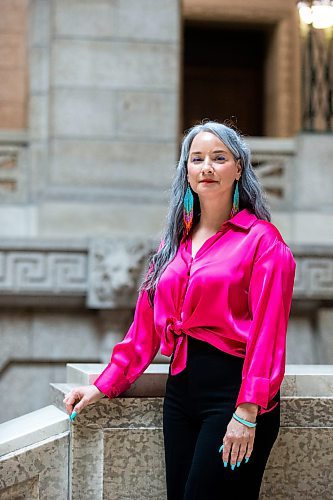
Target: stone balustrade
114 448
34 456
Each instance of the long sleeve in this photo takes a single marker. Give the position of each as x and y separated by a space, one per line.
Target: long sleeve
269 297
134 353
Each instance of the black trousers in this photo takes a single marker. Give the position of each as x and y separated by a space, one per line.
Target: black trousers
197 409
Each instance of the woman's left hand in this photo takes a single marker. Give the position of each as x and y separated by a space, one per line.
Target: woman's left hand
238 440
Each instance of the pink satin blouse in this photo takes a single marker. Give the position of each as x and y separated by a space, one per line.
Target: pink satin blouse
235 293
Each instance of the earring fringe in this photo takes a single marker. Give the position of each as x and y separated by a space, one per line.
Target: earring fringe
235 203
188 210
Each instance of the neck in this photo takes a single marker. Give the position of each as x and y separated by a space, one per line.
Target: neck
213 214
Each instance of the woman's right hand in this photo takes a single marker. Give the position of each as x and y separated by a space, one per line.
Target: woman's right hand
81 397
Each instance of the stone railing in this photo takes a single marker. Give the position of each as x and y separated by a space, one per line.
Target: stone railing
114 448
34 453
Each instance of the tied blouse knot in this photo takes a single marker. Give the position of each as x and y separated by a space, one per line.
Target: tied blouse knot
235 293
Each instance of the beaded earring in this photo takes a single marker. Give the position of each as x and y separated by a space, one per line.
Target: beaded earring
235 203
188 209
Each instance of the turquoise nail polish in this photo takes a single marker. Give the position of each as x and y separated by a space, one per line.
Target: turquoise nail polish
225 464
221 448
238 464
246 460
232 466
73 415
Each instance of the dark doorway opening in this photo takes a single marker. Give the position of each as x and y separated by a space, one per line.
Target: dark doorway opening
223 75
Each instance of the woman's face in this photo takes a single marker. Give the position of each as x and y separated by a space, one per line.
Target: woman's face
210 160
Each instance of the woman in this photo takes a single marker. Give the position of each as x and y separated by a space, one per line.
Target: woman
217 299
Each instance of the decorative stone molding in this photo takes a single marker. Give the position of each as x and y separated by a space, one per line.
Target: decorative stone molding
12 172
314 273
47 272
114 270
105 273
272 160
40 268
314 279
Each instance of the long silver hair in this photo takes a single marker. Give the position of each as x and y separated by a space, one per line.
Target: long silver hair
251 196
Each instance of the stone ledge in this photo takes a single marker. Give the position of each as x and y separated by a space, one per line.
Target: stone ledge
299 380
32 428
150 384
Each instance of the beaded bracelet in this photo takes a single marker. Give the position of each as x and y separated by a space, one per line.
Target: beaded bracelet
245 422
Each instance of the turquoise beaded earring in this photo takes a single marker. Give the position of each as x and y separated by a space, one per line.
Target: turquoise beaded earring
235 203
188 209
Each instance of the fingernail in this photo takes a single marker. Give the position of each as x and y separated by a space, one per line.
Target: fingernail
247 459
225 464
232 466
221 448
73 415
238 464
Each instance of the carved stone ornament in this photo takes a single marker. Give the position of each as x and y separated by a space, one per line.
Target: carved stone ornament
115 270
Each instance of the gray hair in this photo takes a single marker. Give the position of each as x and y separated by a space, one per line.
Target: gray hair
251 196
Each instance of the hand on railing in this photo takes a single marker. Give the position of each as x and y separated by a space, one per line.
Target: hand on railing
80 397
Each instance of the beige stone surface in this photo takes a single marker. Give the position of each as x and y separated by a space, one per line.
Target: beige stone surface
41 469
19 221
117 164
13 15
113 65
82 113
325 335
311 227
31 428
13 64
116 19
78 219
300 465
313 184
12 115
141 113
39 117
12 50
28 489
301 341
134 464
14 90
131 430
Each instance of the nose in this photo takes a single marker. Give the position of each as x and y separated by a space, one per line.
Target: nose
207 164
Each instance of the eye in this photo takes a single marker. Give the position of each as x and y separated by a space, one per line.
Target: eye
220 158
196 159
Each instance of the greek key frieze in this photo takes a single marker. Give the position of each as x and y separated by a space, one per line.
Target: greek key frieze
46 272
314 277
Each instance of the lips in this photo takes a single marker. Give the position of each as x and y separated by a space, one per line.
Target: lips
208 181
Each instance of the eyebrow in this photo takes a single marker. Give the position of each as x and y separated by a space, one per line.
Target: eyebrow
216 151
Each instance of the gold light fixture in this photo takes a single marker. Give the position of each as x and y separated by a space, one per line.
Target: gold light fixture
319 13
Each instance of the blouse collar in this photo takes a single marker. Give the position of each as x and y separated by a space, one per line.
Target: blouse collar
243 219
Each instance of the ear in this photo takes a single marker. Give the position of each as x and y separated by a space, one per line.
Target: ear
239 167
